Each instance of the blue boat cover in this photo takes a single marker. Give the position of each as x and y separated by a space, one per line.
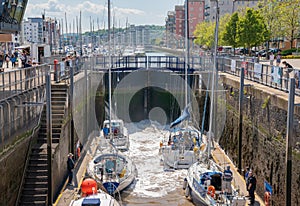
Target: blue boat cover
111 187
91 201
185 115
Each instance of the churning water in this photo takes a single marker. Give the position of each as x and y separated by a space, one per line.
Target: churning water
154 185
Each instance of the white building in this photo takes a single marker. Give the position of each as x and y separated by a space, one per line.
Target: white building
33 30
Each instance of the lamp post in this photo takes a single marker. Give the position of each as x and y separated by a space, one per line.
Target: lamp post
233 1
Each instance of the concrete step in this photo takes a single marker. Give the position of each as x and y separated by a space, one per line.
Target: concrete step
44 140
36 178
59 94
37 160
37 166
58 99
34 173
54 121
37 182
34 203
34 197
54 126
31 191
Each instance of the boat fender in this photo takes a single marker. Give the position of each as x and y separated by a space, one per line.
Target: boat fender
196 149
184 184
187 192
211 190
267 198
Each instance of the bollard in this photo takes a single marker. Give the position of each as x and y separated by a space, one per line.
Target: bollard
56 79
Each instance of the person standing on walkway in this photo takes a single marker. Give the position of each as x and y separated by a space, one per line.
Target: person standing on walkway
288 69
278 58
70 167
227 178
271 58
13 60
251 186
1 62
7 60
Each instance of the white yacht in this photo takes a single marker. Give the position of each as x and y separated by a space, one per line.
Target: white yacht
114 170
181 148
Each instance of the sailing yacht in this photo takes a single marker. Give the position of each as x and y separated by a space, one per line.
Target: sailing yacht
181 146
90 195
119 137
204 179
111 168
114 170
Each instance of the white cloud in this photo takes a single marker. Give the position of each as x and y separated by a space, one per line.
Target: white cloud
95 10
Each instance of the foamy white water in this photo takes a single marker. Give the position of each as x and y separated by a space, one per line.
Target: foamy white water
152 180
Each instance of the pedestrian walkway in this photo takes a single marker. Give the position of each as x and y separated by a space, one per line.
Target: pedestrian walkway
70 192
238 181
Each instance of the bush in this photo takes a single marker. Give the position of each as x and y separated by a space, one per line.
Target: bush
291 57
288 52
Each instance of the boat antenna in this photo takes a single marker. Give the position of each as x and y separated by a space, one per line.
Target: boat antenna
209 139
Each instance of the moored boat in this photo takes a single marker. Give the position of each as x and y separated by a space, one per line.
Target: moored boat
92 196
119 133
114 170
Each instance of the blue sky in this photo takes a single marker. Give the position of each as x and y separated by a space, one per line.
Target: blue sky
138 12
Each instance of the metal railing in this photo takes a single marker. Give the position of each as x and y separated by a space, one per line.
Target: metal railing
17 81
272 76
173 63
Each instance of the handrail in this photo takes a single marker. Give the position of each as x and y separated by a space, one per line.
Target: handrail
28 152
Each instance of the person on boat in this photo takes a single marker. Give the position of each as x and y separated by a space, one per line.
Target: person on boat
227 178
70 167
116 131
251 186
106 131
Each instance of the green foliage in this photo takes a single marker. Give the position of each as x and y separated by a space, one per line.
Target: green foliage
266 102
205 34
290 11
251 30
230 34
288 52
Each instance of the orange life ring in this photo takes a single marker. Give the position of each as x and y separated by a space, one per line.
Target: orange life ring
267 198
211 190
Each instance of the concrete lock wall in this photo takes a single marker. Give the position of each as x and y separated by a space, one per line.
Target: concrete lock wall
264 133
11 171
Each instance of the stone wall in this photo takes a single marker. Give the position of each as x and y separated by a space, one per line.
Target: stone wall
264 132
11 171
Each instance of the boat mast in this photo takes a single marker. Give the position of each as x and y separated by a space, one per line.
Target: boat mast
209 139
186 53
109 68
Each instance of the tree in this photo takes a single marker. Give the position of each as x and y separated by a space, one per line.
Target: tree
252 30
290 12
231 31
204 34
269 10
